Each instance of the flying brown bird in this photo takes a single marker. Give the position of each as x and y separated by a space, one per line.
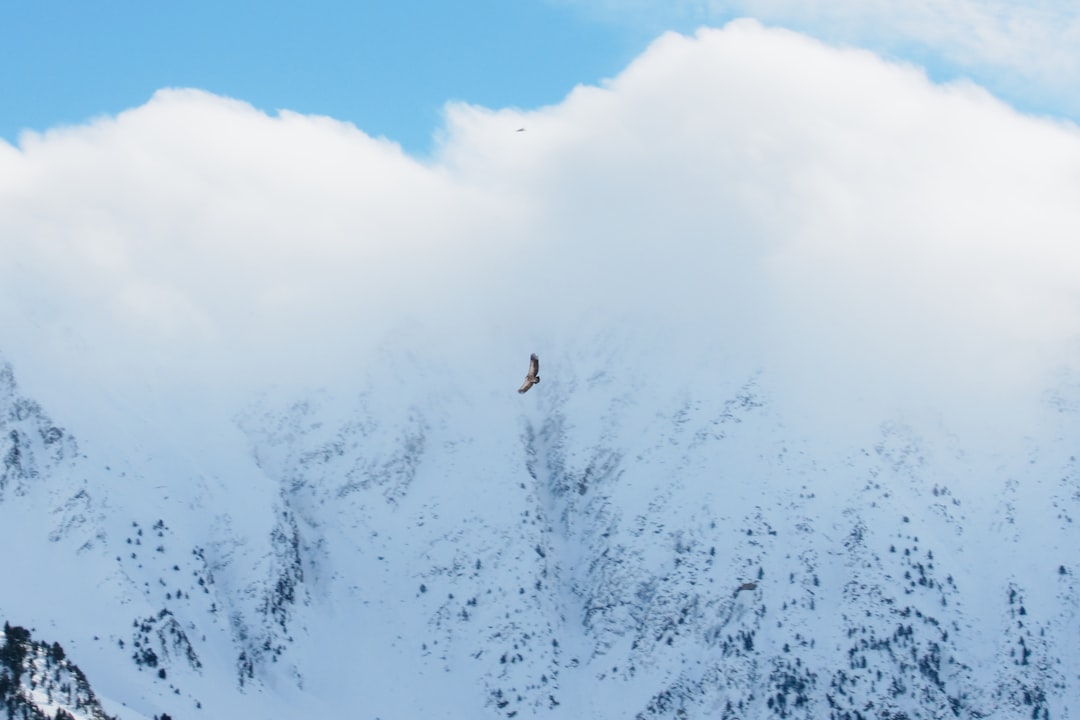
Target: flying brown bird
532 378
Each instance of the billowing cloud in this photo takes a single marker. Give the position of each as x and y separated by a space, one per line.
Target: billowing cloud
745 194
1028 52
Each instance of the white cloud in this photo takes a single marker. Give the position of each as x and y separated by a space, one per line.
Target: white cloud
1027 52
745 193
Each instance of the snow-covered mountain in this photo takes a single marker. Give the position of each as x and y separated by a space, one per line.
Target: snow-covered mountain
804 445
599 547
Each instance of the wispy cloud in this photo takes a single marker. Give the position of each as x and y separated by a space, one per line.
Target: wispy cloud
745 192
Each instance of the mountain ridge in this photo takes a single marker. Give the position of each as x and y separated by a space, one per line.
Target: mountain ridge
568 562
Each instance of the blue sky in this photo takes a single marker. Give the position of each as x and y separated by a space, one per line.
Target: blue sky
388 67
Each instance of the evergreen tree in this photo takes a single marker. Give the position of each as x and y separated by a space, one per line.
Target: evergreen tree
13 652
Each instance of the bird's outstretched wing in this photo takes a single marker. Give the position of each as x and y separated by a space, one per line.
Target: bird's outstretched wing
746 586
534 374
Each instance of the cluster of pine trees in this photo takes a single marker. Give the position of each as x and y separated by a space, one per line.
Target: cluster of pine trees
17 653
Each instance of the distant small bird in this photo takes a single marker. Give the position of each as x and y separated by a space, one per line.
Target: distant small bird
533 377
520 130
746 586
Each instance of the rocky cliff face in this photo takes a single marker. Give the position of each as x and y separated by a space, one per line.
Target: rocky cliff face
595 548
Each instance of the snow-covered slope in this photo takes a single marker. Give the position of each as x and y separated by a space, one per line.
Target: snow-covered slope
596 548
38 682
804 444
